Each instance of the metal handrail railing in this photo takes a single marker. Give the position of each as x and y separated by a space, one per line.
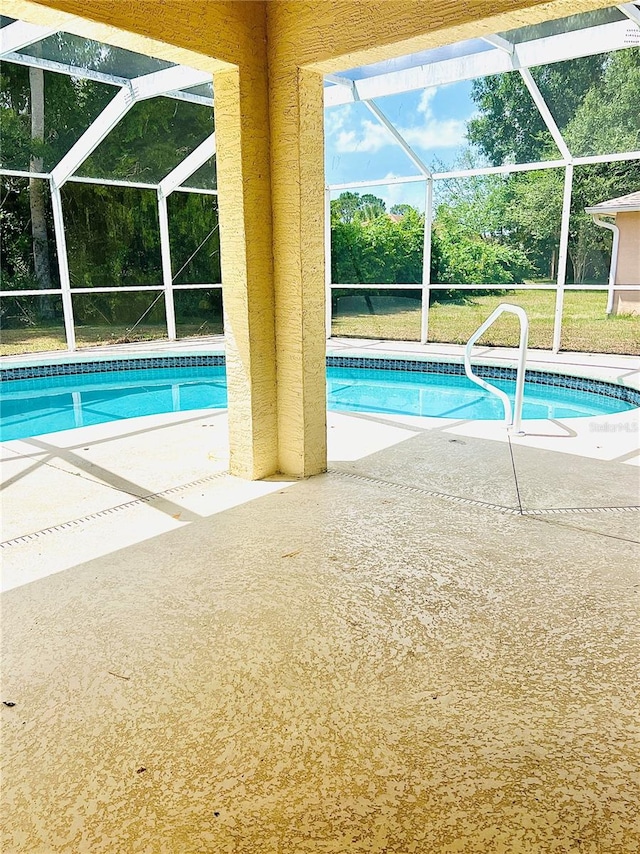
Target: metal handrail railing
512 417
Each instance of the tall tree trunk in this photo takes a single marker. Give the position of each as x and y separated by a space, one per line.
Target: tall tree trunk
37 199
580 257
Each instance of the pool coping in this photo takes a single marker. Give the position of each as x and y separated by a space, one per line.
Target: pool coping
213 345
610 367
620 378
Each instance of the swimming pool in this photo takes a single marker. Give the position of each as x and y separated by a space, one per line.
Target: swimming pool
47 398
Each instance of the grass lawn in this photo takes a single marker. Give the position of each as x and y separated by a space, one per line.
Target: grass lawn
38 340
585 326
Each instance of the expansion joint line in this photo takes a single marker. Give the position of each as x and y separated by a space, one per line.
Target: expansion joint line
515 474
472 502
109 511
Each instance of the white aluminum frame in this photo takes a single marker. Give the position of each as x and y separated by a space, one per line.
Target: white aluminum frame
506 168
165 82
105 182
458 286
557 48
562 256
545 112
169 183
20 34
165 253
138 89
505 57
395 133
63 265
97 76
510 49
185 169
92 137
426 261
62 68
631 11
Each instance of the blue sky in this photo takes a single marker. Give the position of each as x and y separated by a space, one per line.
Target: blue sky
433 121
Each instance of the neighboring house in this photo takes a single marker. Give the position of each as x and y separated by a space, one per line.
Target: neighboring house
625 252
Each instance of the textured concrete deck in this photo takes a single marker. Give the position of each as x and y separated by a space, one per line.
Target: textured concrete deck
432 648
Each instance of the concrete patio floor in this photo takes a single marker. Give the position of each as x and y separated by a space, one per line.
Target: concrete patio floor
431 648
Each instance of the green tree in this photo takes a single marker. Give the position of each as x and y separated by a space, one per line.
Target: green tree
465 247
370 247
37 197
468 252
475 240
401 210
112 233
590 246
608 117
478 203
533 217
344 208
370 207
509 127
151 139
351 207
195 238
595 103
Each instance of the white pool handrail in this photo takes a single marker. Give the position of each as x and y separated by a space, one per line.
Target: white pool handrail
513 417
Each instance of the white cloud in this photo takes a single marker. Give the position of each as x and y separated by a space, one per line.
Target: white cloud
424 106
448 133
432 133
370 136
335 119
347 136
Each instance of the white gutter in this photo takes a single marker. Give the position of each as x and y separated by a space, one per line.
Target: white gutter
597 218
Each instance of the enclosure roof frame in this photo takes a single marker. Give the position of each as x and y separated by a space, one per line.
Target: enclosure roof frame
543 51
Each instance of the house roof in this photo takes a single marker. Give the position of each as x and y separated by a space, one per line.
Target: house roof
630 202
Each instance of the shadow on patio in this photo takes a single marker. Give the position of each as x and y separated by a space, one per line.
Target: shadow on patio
344 664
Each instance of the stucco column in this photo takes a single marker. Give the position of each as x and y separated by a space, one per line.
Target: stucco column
270 180
242 137
297 175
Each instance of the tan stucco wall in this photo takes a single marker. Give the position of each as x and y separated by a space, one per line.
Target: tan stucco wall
628 269
329 35
267 60
209 35
244 197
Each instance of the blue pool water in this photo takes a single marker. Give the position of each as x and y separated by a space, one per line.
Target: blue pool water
31 407
451 396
